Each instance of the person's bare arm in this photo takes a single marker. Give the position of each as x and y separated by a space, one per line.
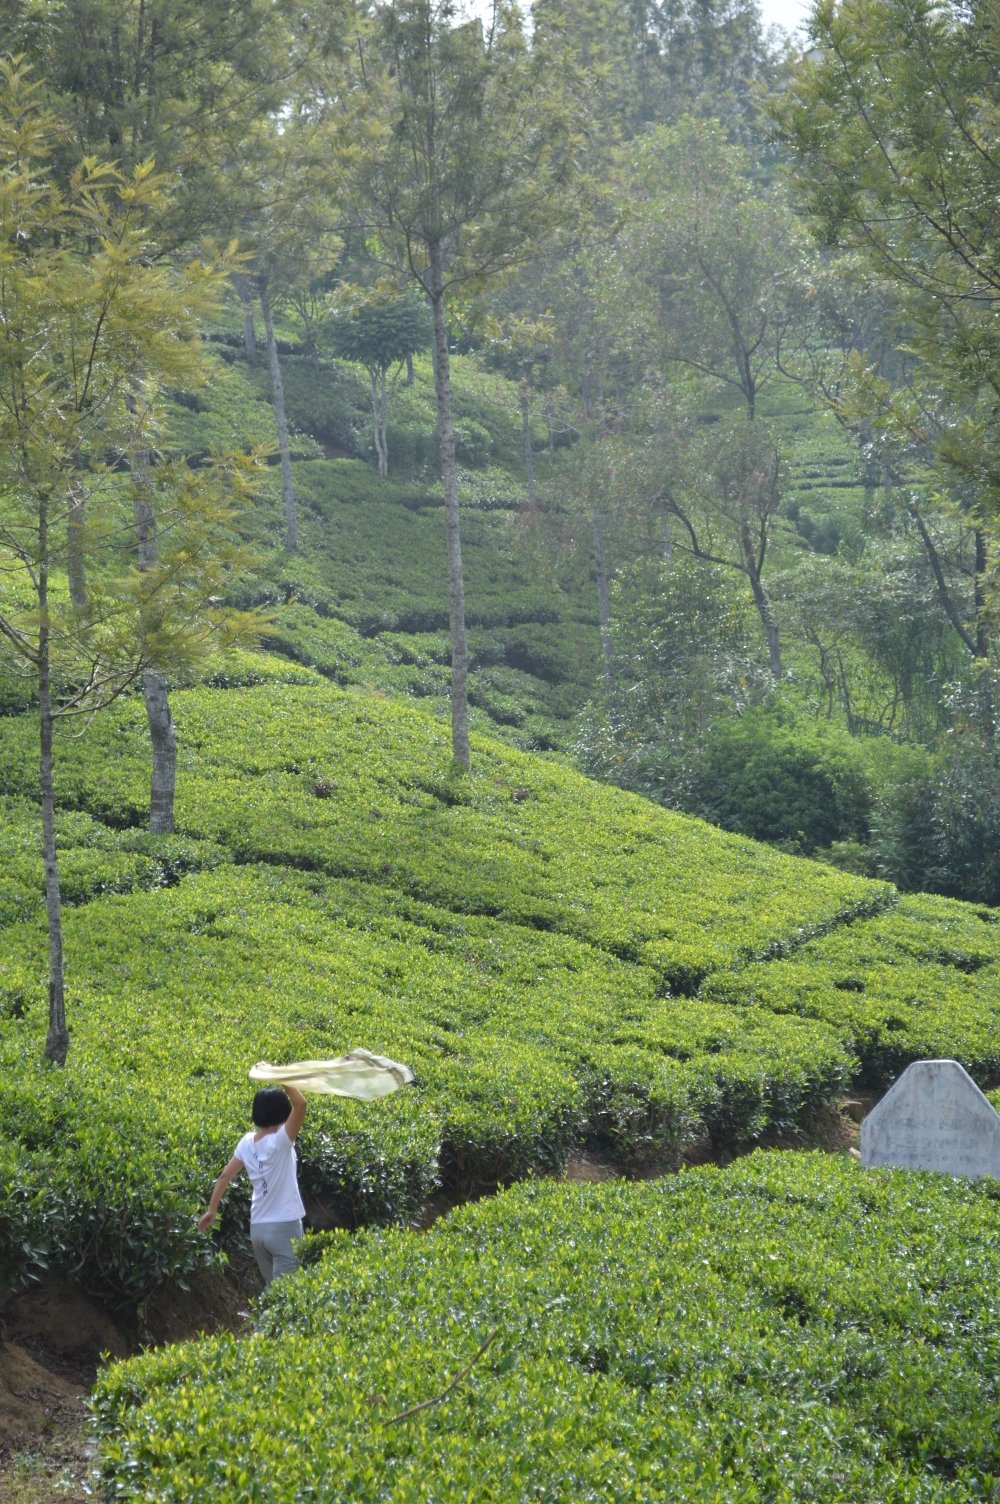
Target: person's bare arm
298 1117
218 1191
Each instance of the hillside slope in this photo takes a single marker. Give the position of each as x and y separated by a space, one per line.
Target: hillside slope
364 599
559 961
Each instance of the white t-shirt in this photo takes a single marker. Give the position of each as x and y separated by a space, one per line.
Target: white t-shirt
271 1164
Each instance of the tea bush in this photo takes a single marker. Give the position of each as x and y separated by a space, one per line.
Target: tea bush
790 1328
523 1043
560 962
922 980
92 859
778 777
359 787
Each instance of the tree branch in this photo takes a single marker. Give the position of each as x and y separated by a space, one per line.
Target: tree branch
426 1404
943 591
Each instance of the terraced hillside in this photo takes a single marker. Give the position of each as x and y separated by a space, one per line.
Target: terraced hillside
364 599
559 961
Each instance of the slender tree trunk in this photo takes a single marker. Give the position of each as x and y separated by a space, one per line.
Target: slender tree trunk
548 420
154 686
312 345
982 629
668 544
291 525
76 528
602 598
526 431
766 614
164 740
979 578
57 1043
449 471
387 391
378 406
249 336
409 369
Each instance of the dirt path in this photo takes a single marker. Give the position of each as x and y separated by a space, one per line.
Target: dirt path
53 1339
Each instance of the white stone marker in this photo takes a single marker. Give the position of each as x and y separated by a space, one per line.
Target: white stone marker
934 1118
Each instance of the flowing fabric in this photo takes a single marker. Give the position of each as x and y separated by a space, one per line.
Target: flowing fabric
360 1074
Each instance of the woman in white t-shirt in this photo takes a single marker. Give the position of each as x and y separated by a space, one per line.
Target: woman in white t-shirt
268 1156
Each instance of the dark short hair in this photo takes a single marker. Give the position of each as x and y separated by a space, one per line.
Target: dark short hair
270 1107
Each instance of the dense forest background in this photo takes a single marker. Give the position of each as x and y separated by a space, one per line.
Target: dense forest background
713 320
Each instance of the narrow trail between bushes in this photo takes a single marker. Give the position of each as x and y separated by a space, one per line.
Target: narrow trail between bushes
53 1338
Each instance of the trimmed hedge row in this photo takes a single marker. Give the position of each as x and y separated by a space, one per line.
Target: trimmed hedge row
920 981
792 1328
359 787
92 859
523 1044
529 941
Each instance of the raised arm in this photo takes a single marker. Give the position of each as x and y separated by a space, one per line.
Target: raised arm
218 1190
298 1116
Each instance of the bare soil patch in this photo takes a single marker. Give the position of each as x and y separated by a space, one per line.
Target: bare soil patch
53 1339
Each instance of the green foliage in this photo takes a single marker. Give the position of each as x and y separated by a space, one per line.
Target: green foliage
522 840
92 859
898 174
917 982
513 933
379 334
790 1328
234 410
777 777
523 1043
521 936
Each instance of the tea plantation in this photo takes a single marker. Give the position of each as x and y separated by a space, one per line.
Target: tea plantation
559 961
364 599
520 935
792 1328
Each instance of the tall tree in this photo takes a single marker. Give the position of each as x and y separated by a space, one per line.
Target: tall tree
284 216
656 60
181 81
895 128
470 172
86 322
728 509
719 252
197 86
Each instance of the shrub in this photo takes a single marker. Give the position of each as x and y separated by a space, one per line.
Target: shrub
527 842
523 1043
510 933
529 941
780 778
791 1328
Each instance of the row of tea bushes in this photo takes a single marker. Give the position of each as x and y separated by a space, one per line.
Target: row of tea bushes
790 1328
92 859
504 701
523 1044
355 786
920 981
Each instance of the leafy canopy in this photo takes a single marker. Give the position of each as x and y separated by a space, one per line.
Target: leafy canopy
379 334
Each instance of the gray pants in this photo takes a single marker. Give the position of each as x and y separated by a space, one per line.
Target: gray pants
272 1243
